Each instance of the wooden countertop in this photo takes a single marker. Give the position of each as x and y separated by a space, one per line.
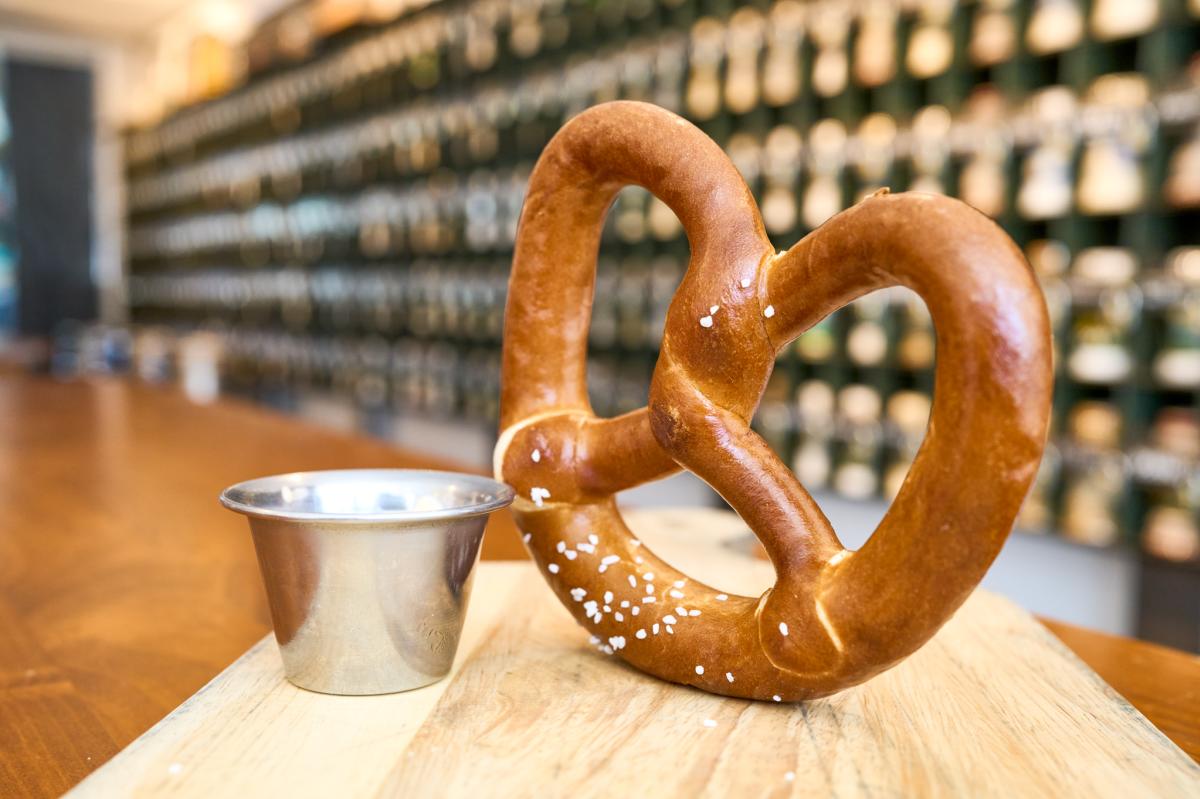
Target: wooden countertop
125 587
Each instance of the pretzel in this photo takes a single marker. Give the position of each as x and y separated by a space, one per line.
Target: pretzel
834 617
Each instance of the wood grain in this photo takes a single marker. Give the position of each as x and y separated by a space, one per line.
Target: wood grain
124 586
1162 683
993 706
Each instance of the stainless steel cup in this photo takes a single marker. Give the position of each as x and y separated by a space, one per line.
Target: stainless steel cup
368 572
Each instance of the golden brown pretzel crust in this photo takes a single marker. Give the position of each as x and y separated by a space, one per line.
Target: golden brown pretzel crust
834 618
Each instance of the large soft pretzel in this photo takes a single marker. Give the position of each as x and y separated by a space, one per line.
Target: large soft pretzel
834 617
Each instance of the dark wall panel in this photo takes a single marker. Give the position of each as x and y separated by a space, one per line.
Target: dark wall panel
50 110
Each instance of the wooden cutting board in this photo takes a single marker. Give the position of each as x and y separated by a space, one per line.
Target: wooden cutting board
993 706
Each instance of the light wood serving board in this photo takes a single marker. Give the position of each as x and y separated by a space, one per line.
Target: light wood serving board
993 706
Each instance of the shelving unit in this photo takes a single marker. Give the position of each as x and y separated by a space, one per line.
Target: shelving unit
344 221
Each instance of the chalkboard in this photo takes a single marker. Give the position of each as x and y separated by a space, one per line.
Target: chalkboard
50 111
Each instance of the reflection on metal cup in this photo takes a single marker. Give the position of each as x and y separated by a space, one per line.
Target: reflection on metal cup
368 572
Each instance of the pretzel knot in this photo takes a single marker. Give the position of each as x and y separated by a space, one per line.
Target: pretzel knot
834 617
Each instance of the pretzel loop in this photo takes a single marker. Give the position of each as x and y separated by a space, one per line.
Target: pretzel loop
834 618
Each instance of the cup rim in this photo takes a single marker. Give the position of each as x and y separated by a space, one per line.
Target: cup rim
500 496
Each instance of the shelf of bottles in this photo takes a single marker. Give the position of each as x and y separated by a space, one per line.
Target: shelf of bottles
346 223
